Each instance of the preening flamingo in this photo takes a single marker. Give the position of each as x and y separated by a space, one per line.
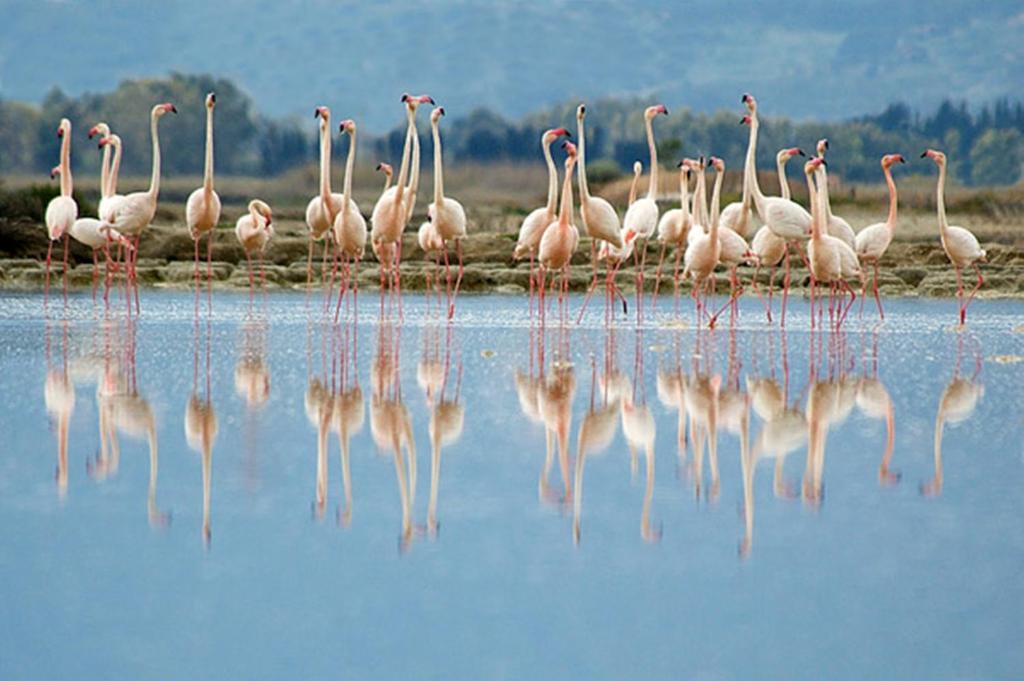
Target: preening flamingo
642 215
131 214
872 241
538 220
322 209
961 246
202 211
61 211
561 238
673 229
349 224
254 231
97 235
835 225
787 220
446 214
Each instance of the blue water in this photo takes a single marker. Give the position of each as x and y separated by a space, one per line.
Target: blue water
801 550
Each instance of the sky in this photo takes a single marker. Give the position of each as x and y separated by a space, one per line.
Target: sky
804 59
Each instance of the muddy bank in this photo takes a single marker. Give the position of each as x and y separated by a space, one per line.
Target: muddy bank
166 260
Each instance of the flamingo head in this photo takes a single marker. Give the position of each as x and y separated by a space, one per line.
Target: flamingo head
822 146
937 156
889 159
638 168
746 120
386 169
570 149
581 112
718 163
629 236
786 154
347 125
261 208
211 100
101 129
436 114
64 127
652 111
749 101
813 164
413 101
166 107
551 135
54 172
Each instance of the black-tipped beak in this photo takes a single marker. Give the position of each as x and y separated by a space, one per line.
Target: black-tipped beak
801 152
568 134
174 109
923 154
583 109
665 111
900 159
432 102
824 163
680 164
743 120
378 167
316 113
52 174
99 146
441 110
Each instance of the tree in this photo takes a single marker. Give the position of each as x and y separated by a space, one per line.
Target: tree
996 157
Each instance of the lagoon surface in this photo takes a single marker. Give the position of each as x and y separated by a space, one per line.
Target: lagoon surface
251 493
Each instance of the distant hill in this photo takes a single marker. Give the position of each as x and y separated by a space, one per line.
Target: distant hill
803 59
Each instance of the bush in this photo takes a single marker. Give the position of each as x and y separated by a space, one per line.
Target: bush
30 202
603 170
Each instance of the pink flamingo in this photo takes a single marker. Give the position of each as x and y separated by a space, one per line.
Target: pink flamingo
323 208
254 231
770 249
560 239
823 252
446 214
874 240
673 229
961 246
61 211
349 224
202 212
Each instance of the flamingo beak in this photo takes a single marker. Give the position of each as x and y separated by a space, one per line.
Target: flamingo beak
427 99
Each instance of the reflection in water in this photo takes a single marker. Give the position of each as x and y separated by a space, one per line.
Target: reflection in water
200 416
447 414
252 386
59 396
957 404
391 423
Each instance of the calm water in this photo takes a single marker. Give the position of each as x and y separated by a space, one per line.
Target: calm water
253 495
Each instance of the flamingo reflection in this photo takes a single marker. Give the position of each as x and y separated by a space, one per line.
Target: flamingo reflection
959 400
447 414
201 425
59 397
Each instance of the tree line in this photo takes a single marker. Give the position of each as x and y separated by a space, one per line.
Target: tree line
986 145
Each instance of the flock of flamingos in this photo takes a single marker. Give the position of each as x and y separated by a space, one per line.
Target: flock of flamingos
702 239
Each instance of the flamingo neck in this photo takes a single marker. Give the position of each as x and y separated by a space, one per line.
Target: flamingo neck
414 171
154 180
684 195
581 159
403 171
652 186
890 221
325 166
350 163
105 171
438 169
940 198
115 169
814 198
208 169
66 185
566 209
632 188
783 183
823 193
716 194
753 189
700 201
552 178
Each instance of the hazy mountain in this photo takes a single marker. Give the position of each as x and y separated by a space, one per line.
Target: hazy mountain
802 58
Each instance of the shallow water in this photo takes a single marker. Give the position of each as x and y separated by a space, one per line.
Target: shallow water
564 524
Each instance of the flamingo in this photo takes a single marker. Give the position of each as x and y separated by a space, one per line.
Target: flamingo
736 215
97 235
958 402
202 211
538 219
674 228
62 210
254 231
872 241
391 212
734 248
600 221
638 169
823 253
446 214
560 239
201 430
103 130
701 256
642 215
770 249
109 196
349 224
388 171
836 226
786 219
132 213
961 246
322 209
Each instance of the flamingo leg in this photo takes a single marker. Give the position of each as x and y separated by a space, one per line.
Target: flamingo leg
878 299
95 273
65 270
657 276
785 290
462 270
970 298
960 296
